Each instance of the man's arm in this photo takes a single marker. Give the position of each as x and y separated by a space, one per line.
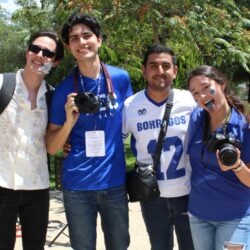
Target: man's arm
56 135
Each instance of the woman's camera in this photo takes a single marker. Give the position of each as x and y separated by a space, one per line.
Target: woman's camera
87 102
227 145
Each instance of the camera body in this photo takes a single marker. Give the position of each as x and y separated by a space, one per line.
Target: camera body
87 102
226 144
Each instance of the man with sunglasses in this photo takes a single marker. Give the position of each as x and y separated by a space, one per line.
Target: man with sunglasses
94 170
45 52
24 178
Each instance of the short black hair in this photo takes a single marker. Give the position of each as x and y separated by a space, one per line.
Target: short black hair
159 48
75 19
53 36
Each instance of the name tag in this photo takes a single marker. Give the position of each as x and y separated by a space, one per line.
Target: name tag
95 143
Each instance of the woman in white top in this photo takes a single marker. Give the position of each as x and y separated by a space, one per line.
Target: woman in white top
24 178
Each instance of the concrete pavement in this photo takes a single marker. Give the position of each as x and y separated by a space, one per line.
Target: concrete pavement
138 235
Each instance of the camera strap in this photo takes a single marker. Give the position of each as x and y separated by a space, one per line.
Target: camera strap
207 133
109 84
77 73
206 130
107 79
225 125
163 131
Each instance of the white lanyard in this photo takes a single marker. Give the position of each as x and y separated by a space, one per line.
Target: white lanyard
98 86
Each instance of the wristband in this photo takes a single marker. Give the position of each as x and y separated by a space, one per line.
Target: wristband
238 168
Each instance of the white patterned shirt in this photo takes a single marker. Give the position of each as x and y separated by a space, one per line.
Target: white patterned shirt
23 157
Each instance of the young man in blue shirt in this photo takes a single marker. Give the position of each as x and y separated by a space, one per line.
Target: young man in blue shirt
94 170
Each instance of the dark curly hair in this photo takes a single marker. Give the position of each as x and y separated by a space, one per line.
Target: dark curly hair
158 49
75 19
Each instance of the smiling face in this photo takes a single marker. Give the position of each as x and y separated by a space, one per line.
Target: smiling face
159 72
208 93
37 59
83 43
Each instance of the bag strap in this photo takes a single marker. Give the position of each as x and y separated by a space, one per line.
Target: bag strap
48 96
163 131
7 90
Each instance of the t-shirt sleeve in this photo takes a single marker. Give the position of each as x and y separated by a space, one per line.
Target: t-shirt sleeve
125 129
57 110
129 90
245 151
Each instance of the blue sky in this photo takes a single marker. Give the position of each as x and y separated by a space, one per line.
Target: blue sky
9 5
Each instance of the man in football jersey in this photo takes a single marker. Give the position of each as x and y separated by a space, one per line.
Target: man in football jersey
94 169
142 116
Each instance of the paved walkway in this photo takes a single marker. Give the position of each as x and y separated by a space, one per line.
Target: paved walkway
139 239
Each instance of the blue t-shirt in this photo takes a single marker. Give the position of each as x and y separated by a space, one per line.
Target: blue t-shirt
216 195
94 173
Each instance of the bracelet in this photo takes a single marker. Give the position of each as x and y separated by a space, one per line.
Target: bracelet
238 168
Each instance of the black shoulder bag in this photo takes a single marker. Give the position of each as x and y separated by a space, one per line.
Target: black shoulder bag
7 90
141 180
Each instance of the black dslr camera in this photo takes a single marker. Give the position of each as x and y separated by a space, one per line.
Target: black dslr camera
87 102
227 145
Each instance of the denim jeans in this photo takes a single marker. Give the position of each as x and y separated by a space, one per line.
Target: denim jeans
81 209
162 216
211 235
32 208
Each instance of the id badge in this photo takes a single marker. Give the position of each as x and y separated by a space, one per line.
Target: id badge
95 143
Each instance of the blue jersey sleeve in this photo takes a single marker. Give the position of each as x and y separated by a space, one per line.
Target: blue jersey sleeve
129 90
245 151
57 110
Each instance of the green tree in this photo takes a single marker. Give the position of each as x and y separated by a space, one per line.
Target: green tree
215 32
11 38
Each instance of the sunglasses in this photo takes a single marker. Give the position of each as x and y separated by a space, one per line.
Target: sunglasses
36 49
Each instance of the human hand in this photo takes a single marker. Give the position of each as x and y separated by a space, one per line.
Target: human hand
71 109
66 149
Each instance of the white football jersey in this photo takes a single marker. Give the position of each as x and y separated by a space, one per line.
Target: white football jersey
142 117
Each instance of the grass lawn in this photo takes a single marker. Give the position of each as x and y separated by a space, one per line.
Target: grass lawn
130 159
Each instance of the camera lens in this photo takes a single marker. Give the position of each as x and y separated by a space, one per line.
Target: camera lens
228 155
87 103
81 100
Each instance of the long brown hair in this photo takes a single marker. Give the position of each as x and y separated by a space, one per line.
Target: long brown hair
214 74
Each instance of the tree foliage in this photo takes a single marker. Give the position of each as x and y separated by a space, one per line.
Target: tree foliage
11 44
199 31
